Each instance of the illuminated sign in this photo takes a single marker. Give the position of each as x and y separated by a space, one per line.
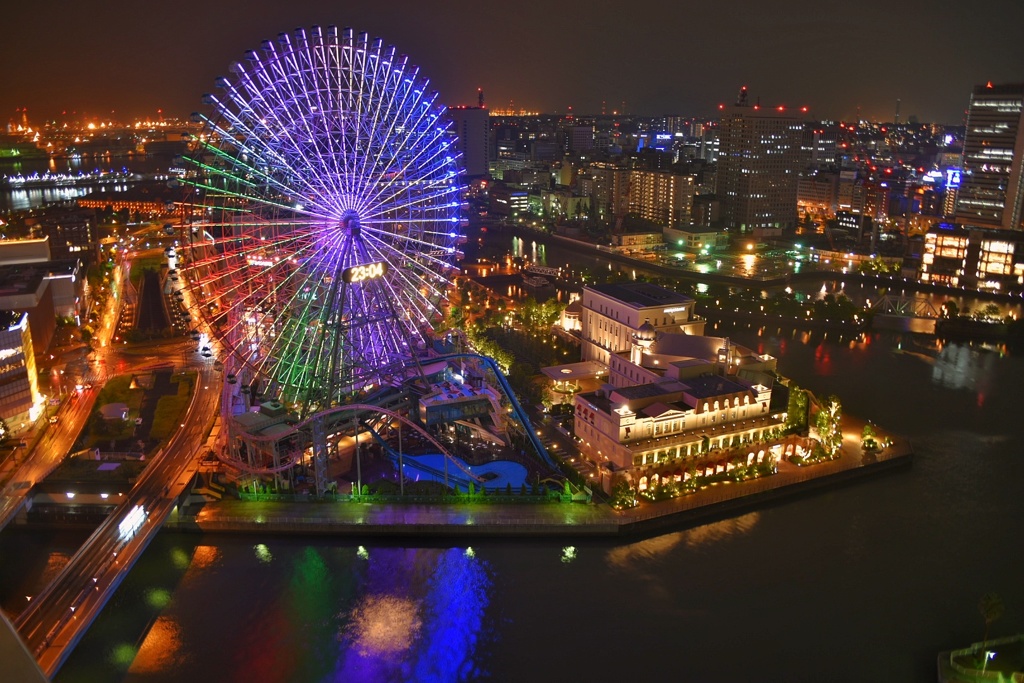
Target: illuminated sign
367 271
677 309
953 177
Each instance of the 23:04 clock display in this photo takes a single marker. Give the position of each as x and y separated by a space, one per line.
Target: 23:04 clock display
366 271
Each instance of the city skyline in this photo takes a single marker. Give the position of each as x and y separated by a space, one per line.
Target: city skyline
655 59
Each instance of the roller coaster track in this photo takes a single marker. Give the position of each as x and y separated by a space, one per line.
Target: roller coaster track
517 410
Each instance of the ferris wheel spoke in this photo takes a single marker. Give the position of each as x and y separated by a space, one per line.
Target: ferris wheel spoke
422 202
407 86
230 273
282 142
383 237
244 256
405 272
380 199
238 163
305 62
258 150
377 137
320 68
312 139
412 137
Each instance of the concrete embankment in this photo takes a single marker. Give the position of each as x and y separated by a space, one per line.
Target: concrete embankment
569 520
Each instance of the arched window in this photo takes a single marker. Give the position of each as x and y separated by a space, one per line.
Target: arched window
642 486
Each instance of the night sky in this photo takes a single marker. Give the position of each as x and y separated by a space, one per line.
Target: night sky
669 57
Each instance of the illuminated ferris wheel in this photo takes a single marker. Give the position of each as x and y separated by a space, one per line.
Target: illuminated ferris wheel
325 223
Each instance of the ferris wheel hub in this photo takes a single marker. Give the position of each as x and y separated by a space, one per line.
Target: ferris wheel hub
350 223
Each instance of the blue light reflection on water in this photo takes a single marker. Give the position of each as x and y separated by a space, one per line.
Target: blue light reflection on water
418 617
316 612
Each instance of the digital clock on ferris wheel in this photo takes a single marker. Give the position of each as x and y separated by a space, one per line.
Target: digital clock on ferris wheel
366 271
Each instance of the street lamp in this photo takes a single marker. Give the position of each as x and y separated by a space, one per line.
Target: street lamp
989 654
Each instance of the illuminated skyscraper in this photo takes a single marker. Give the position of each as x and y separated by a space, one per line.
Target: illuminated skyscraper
992 190
759 160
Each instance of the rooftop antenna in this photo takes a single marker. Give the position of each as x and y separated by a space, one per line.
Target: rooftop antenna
741 97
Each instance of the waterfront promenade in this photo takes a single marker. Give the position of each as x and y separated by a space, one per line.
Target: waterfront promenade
565 520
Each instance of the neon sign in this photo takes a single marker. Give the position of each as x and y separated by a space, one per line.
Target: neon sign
367 271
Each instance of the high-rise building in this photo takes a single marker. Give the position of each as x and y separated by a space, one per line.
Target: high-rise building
759 161
19 391
662 197
992 188
72 233
473 138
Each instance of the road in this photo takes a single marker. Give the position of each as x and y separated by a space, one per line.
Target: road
47 453
56 619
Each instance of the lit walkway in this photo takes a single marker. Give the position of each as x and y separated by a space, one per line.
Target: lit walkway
551 519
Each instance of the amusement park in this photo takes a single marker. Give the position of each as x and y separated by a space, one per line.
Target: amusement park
320 237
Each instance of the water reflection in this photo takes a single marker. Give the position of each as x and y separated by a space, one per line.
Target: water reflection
635 555
161 651
418 616
961 366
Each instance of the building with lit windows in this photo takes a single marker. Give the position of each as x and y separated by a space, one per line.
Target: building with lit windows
631 242
21 263
759 161
612 314
991 192
697 238
990 260
20 401
71 232
661 197
673 397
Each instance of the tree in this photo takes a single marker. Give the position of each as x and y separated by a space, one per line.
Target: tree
827 421
623 495
991 608
868 438
796 412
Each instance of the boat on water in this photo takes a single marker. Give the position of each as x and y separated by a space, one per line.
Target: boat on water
535 280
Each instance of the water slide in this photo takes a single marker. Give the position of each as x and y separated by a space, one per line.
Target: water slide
516 408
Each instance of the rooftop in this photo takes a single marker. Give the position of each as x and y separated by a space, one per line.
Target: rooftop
641 294
707 386
22 278
650 390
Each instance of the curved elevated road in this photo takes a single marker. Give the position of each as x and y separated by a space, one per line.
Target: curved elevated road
57 618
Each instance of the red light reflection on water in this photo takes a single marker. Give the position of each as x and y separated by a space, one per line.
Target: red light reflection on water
822 360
